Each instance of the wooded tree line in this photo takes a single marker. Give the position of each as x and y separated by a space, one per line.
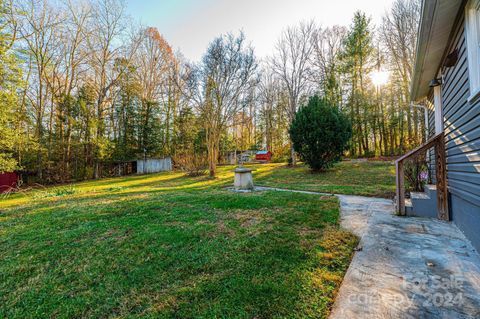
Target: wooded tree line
82 86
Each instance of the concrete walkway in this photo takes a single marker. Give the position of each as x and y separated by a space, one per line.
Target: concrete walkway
406 267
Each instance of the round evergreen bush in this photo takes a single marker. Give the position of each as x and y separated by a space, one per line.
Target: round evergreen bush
320 133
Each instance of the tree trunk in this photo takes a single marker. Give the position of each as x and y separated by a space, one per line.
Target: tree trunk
292 156
212 140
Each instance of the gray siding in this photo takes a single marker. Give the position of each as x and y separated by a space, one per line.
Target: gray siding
462 139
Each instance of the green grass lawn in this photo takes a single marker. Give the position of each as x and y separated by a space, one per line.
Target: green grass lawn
168 246
369 178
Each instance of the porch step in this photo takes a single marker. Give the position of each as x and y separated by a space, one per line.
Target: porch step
408 207
423 204
419 195
431 190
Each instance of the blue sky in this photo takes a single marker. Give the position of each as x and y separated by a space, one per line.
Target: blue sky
189 25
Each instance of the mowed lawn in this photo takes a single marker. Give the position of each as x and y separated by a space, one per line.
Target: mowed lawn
170 246
366 178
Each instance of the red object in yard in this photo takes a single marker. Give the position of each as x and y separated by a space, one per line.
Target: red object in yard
263 156
8 181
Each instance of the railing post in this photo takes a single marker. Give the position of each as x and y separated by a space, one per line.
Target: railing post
400 188
441 174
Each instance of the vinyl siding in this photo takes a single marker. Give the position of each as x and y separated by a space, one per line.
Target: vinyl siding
462 140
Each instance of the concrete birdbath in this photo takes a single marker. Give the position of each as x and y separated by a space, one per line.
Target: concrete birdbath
243 179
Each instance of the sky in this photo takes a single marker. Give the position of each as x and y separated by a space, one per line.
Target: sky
190 25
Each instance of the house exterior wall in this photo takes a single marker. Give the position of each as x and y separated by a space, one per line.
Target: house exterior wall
462 140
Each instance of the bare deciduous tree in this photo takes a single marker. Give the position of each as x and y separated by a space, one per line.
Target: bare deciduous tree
224 77
399 33
93 89
37 25
328 46
108 25
291 63
270 90
152 60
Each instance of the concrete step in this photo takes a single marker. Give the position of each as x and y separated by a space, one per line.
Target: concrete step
418 195
408 207
423 204
431 190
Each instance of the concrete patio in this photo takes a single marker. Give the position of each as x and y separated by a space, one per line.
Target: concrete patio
406 267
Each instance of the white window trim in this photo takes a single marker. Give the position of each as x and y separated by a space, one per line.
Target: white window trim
437 102
472 30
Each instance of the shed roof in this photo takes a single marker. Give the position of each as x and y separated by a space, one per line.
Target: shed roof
436 23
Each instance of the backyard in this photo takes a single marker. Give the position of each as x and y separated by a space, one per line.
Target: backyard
239 159
167 245
366 178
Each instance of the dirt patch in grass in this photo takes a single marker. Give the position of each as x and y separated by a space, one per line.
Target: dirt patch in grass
223 229
253 221
251 217
116 234
309 232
